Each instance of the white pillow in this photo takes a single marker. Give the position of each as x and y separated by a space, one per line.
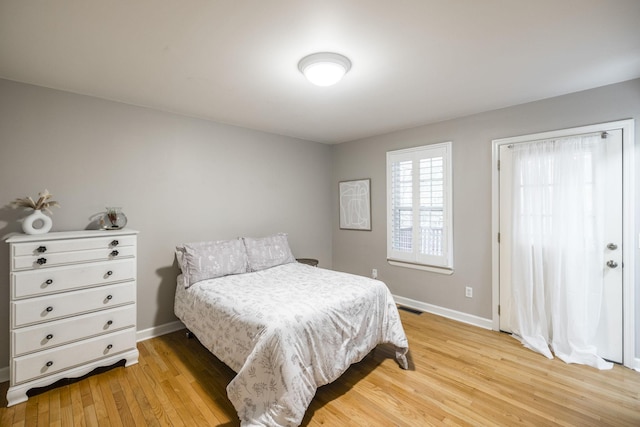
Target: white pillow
180 258
267 252
208 260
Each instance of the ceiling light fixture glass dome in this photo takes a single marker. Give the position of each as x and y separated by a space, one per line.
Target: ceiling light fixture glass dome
324 68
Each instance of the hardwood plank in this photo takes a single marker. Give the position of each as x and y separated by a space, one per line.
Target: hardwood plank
145 393
54 408
76 405
43 411
99 402
164 408
460 375
31 411
221 407
89 413
109 400
7 416
91 418
205 413
66 408
129 410
142 410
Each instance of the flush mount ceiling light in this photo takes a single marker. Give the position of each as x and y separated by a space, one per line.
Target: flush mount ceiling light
324 68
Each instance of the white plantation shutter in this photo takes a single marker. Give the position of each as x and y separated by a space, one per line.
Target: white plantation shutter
419 205
402 206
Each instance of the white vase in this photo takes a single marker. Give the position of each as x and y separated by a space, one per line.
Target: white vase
36 218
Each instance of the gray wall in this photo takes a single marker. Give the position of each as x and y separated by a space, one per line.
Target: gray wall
178 179
359 252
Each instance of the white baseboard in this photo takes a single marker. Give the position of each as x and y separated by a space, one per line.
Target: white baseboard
156 331
445 312
636 365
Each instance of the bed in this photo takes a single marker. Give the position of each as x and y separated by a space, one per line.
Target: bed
286 329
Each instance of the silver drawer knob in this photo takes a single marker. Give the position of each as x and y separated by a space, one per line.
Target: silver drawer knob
612 264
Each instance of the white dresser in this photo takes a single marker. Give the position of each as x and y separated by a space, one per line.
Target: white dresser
73 306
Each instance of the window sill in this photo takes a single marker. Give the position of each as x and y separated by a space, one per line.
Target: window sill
431 268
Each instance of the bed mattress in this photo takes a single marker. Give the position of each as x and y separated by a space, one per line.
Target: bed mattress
286 331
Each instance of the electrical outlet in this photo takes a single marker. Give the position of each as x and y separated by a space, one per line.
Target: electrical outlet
374 273
468 292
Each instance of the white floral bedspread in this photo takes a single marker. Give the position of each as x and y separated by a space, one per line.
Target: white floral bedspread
286 331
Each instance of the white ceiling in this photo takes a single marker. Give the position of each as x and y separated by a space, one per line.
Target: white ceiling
414 61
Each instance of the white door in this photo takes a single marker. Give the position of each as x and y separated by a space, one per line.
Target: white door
609 334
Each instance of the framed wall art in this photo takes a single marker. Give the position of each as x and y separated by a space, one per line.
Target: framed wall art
355 205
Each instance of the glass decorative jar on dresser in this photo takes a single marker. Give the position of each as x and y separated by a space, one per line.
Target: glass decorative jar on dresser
72 306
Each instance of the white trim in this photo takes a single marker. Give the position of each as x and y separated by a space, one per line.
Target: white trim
444 312
630 248
415 155
628 220
495 230
637 364
440 270
159 330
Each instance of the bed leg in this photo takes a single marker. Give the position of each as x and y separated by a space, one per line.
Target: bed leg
189 334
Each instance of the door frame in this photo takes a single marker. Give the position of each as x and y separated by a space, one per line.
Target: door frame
628 224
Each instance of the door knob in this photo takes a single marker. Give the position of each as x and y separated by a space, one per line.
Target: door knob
612 264
612 246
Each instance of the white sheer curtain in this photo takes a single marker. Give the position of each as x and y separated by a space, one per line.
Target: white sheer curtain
557 264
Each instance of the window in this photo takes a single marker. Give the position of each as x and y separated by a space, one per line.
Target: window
419 226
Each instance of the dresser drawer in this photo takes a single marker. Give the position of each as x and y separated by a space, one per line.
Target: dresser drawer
43 261
39 248
51 307
59 332
52 280
48 362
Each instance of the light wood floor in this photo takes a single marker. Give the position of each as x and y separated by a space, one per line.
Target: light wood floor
461 375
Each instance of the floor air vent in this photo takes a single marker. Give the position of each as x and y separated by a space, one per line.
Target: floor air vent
410 310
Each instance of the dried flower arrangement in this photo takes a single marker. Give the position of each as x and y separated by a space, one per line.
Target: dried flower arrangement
43 203
113 219
112 214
